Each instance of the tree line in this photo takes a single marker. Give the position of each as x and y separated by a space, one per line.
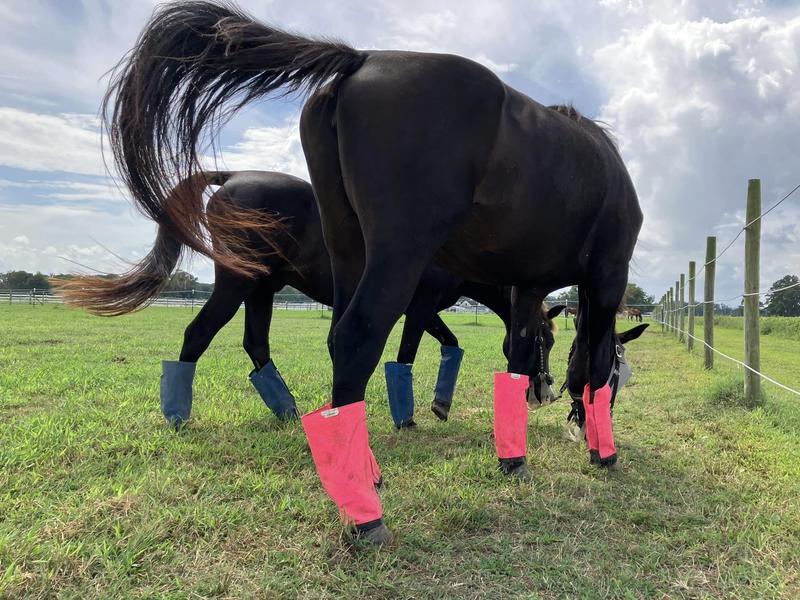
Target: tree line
181 281
785 303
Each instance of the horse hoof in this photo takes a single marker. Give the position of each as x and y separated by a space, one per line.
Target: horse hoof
440 410
376 535
176 423
609 462
517 470
290 416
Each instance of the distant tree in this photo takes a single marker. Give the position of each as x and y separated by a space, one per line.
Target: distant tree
787 302
290 294
204 287
181 281
636 296
570 297
22 280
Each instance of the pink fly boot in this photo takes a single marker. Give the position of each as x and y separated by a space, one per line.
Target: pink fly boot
347 468
511 423
599 433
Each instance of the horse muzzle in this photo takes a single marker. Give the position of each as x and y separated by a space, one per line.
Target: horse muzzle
540 393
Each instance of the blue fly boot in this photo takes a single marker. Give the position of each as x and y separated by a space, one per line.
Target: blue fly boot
176 391
446 381
274 392
400 386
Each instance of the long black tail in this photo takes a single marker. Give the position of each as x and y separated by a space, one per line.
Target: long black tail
194 65
137 287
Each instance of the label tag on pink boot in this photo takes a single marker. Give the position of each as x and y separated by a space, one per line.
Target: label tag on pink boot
331 412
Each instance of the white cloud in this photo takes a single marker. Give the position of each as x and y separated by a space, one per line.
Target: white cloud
699 107
494 66
266 149
41 142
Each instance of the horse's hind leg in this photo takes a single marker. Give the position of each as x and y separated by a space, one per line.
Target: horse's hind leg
449 366
177 376
399 378
420 317
338 437
257 321
265 376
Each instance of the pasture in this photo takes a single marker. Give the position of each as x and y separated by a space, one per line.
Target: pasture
99 499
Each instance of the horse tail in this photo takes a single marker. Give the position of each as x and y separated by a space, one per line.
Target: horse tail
194 65
137 287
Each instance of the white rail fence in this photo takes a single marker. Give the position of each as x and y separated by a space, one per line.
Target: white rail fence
197 299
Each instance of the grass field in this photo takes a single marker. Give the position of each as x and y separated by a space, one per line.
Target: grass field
99 500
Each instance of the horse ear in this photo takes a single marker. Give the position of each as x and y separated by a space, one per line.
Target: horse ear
555 311
632 334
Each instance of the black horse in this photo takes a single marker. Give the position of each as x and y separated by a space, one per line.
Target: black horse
413 157
298 257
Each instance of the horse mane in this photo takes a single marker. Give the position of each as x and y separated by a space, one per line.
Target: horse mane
602 127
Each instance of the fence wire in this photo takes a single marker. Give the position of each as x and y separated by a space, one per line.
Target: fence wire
742 230
738 362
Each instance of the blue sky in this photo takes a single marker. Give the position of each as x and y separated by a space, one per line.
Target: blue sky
701 97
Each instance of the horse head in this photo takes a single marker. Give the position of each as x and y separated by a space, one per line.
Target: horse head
619 375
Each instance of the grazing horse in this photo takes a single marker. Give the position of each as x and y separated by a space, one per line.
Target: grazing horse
634 314
571 311
414 157
298 258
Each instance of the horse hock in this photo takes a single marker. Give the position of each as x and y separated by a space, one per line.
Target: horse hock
449 366
400 387
339 444
274 392
511 423
176 390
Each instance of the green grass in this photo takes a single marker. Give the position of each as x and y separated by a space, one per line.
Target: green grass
779 360
99 500
784 327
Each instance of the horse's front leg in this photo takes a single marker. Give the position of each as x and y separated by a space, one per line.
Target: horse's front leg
603 298
510 388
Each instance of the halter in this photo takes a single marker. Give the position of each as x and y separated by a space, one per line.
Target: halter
538 342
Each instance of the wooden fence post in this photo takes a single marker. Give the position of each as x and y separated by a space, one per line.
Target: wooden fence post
675 311
671 309
752 251
708 300
690 338
668 316
681 314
